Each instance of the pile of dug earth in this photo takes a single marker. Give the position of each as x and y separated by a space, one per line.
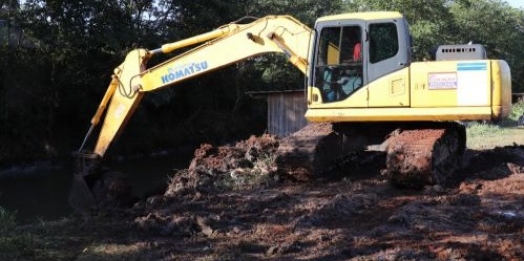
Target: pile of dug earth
232 203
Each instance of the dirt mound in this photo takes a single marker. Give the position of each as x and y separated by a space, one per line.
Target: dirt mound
498 157
215 210
248 163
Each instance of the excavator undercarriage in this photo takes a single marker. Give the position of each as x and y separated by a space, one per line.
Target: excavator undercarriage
418 153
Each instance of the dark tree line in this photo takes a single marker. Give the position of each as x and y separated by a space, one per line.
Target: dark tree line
57 56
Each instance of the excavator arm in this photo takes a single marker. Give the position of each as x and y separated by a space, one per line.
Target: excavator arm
225 45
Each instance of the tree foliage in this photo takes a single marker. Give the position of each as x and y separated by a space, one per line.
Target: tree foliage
498 27
54 75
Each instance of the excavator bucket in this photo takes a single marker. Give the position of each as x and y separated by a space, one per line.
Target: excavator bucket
87 172
94 187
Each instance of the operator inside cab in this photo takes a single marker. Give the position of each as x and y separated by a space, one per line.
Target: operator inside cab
339 62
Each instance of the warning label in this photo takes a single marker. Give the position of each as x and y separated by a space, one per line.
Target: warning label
442 81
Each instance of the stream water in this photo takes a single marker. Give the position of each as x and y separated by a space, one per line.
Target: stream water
41 192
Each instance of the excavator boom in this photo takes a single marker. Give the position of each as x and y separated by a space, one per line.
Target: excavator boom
226 45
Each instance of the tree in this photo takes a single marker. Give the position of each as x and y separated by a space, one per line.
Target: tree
57 82
495 25
492 23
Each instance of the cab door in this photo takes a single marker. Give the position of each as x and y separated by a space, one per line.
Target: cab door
387 64
338 72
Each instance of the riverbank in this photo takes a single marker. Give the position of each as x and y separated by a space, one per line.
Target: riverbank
358 215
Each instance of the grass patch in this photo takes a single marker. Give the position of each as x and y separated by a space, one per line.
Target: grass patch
15 244
490 135
103 237
484 129
517 110
7 221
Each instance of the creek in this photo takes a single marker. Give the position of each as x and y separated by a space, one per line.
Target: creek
41 191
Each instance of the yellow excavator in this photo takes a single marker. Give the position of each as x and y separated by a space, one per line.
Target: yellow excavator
362 87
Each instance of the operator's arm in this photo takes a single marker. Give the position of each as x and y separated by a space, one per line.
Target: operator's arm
226 45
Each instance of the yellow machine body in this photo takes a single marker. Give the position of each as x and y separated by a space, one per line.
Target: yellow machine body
424 91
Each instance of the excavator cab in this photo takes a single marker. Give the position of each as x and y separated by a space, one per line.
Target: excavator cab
352 51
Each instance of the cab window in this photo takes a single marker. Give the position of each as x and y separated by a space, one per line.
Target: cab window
383 41
338 66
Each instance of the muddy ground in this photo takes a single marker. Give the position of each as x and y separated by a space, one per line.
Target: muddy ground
231 203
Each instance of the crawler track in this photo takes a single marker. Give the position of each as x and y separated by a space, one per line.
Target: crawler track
425 156
308 153
417 154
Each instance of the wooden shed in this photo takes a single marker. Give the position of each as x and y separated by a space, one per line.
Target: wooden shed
286 111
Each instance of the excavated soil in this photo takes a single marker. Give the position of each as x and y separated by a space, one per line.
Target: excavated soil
231 203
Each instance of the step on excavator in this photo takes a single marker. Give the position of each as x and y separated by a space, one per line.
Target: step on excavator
363 92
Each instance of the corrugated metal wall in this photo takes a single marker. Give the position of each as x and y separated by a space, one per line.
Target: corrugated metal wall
286 112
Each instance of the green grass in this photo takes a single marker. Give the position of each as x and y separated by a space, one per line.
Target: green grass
486 136
74 238
516 111
7 221
506 133
14 244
